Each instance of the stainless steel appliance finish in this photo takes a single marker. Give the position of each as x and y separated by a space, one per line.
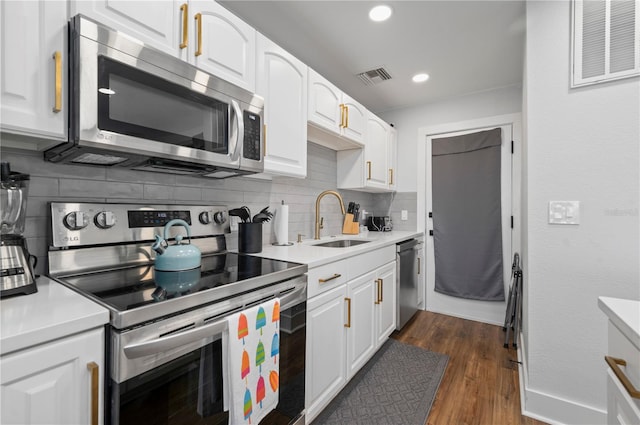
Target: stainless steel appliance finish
164 348
16 271
137 107
407 272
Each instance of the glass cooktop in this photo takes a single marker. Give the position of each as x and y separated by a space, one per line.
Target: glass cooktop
140 286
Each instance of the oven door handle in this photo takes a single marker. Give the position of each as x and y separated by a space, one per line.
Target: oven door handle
294 297
161 345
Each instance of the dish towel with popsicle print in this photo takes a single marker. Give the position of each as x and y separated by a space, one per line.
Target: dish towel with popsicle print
253 345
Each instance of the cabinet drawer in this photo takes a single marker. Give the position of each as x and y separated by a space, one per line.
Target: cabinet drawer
326 277
621 408
365 263
622 348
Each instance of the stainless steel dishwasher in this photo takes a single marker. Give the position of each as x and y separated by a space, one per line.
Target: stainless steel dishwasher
407 272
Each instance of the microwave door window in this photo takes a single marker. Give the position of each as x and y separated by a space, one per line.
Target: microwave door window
139 104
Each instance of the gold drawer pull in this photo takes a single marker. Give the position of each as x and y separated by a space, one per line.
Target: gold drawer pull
57 104
198 19
613 364
185 25
381 290
94 370
368 170
335 276
348 300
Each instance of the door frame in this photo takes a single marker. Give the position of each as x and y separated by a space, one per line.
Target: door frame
483 311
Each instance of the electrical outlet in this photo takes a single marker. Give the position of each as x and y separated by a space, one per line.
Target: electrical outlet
233 223
564 212
404 215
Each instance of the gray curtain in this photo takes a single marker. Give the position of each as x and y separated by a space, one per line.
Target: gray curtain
467 227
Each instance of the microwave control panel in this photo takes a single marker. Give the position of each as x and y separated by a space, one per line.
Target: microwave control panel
251 145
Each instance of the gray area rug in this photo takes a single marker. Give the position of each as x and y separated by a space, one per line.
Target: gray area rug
397 386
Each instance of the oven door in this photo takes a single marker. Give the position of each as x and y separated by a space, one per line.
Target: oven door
172 373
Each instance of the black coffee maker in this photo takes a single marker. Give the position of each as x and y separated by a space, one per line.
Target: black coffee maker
16 270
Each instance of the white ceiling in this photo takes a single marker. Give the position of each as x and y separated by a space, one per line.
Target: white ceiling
465 46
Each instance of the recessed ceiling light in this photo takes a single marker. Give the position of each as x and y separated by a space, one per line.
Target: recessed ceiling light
380 13
420 78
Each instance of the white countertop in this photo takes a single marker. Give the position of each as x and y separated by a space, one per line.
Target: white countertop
53 312
315 256
625 315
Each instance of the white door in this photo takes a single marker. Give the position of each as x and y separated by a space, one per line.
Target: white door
282 82
324 103
360 334
484 311
223 44
355 119
375 153
34 63
386 307
158 24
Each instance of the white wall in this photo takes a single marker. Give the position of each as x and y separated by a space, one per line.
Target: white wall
582 144
407 121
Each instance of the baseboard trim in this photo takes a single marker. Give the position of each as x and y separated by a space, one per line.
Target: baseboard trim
551 409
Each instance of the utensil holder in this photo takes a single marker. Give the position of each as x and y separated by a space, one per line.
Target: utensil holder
250 237
350 227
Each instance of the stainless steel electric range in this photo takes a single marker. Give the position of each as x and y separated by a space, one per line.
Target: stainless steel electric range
163 345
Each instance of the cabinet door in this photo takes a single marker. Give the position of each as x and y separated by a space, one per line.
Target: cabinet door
51 383
282 81
355 122
375 152
393 158
325 367
324 103
361 341
31 33
223 44
157 24
386 314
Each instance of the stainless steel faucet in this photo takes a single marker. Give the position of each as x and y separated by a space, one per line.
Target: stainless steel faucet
318 218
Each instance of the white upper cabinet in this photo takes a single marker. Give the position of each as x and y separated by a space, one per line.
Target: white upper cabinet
282 81
222 44
33 99
393 158
201 32
340 119
375 153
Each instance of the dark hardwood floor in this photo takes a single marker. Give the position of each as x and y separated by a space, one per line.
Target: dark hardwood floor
480 385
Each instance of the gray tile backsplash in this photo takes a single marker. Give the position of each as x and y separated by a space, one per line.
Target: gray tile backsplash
71 183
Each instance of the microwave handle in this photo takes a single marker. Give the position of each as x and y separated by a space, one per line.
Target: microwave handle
161 345
235 151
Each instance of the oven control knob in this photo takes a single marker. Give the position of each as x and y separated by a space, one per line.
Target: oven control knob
75 220
205 217
220 217
105 219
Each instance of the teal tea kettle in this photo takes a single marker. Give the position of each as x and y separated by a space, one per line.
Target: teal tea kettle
177 257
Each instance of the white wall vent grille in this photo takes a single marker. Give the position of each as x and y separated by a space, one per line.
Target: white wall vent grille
606 40
374 76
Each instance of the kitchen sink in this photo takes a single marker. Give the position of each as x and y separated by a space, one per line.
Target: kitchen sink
342 243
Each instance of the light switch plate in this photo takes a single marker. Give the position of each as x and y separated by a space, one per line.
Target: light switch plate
404 215
233 223
564 212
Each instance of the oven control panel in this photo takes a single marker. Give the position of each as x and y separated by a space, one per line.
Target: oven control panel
80 224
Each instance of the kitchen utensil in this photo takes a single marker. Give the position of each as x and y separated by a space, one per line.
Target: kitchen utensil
356 212
15 261
263 216
243 212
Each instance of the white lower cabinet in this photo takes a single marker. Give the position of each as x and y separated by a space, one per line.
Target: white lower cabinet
347 323
55 383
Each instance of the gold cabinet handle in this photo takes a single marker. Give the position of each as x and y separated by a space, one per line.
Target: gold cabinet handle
377 301
418 265
335 276
57 105
381 290
264 140
198 19
342 115
614 364
368 170
185 25
94 370
390 176
346 116
348 324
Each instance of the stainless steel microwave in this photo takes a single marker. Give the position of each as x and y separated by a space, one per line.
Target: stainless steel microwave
136 107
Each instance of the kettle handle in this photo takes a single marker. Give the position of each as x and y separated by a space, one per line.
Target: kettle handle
177 221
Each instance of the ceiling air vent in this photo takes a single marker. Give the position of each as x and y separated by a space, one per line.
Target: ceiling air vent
374 76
